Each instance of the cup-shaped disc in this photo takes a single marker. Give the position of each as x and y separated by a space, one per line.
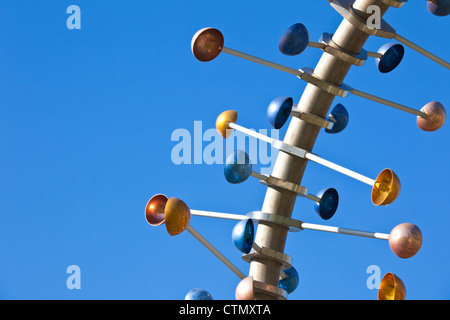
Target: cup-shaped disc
439 7
436 116
392 56
386 188
177 215
391 288
405 240
279 111
294 40
291 282
328 203
154 210
243 235
238 167
340 114
207 44
198 294
222 122
244 290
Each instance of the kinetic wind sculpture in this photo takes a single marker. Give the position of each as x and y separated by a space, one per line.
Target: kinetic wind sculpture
271 274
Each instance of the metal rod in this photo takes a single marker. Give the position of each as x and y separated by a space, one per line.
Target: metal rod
251 133
340 169
266 63
374 54
309 156
259 176
218 215
313 198
216 252
388 103
367 234
421 50
314 44
304 225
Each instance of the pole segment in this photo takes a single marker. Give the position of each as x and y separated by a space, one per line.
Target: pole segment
304 135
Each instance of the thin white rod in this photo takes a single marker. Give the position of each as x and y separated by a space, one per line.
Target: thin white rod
388 103
421 50
340 169
308 155
249 132
219 215
216 252
262 61
317 227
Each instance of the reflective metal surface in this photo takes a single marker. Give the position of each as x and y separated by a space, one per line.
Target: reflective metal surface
263 253
289 283
243 235
154 210
386 188
328 203
244 290
177 215
439 7
198 294
436 116
207 44
391 288
279 111
294 40
405 240
222 122
340 114
238 167
392 56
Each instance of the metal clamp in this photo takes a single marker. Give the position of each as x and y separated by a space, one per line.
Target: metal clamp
307 74
282 146
332 48
271 290
268 254
345 9
283 184
395 3
291 224
313 119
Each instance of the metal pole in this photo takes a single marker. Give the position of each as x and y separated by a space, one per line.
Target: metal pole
304 135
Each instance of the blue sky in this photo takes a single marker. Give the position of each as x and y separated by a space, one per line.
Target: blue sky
86 118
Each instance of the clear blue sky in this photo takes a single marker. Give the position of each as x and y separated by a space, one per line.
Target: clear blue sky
86 118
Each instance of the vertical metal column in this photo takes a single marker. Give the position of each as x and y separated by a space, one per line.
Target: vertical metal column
303 135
